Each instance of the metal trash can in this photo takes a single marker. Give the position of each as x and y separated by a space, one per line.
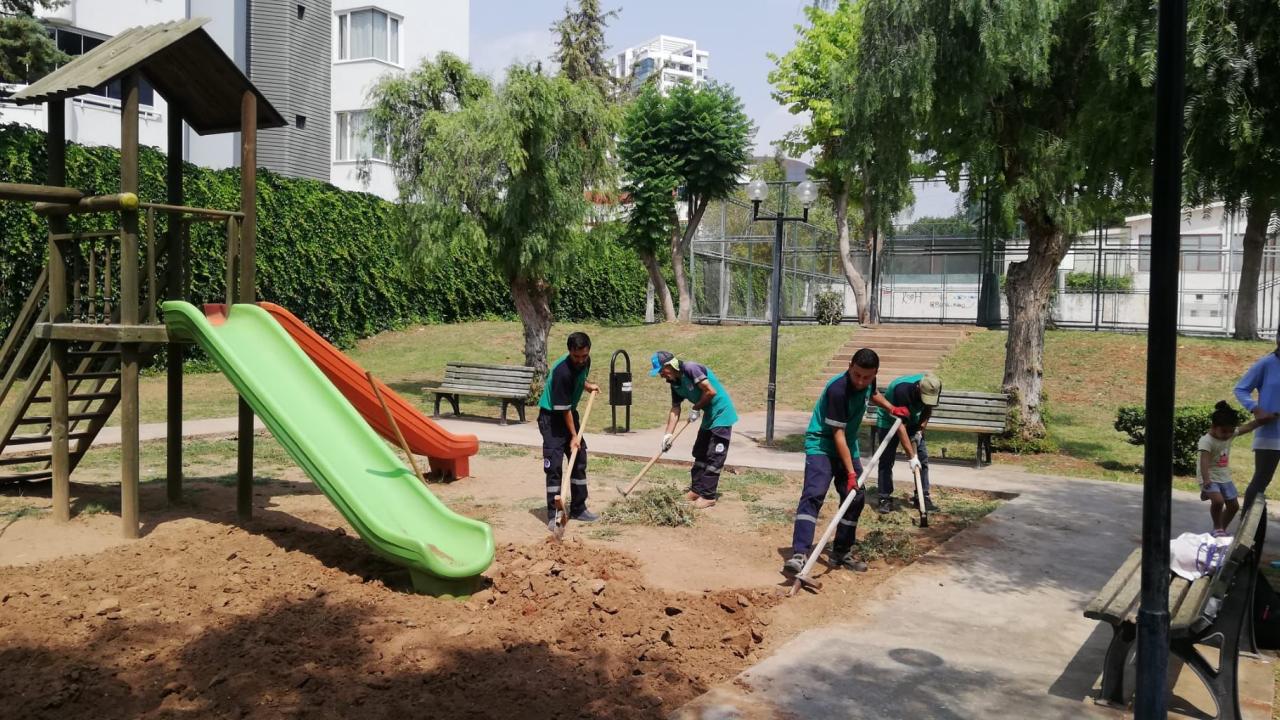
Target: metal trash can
620 389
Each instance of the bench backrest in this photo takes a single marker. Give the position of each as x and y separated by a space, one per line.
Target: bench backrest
493 378
972 411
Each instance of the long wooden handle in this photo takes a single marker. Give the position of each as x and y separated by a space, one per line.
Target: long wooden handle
413 462
636 480
582 426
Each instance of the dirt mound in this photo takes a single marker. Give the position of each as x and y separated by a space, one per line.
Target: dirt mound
289 618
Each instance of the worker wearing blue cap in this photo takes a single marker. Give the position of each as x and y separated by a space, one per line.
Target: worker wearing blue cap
696 383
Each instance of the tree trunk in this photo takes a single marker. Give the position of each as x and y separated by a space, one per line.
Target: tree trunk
856 281
533 301
1029 290
1258 218
680 242
650 261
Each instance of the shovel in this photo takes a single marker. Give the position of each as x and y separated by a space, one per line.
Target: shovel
636 480
924 509
562 513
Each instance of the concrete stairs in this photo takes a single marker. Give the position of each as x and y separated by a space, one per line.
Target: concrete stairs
903 349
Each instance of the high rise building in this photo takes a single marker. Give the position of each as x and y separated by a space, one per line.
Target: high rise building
672 59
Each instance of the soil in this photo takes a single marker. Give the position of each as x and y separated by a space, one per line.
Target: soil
290 615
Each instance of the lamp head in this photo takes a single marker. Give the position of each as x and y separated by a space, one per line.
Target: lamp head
757 190
808 192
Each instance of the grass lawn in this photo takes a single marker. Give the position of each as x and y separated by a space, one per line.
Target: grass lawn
410 359
1088 376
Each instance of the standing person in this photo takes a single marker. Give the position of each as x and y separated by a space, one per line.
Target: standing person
1264 378
699 385
919 394
831 456
558 423
1215 465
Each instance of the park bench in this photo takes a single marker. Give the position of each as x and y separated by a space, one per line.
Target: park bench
980 413
508 383
1216 609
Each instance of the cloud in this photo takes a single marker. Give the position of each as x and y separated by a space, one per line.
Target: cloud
494 56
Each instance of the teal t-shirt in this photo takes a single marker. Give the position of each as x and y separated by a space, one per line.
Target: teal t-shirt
720 412
564 385
840 407
899 394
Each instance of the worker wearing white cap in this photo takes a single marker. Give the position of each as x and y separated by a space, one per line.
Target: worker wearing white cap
711 403
918 393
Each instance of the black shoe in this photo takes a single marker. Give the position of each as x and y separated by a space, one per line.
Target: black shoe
845 559
794 565
885 505
928 504
585 516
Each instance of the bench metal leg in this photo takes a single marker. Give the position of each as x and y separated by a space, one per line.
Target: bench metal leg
453 400
1226 633
436 413
520 409
503 421
1113 666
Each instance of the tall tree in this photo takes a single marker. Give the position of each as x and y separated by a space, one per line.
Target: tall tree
580 44
27 53
499 170
1233 126
695 140
651 177
858 133
1027 94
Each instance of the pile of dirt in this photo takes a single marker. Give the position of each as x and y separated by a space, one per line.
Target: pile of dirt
290 618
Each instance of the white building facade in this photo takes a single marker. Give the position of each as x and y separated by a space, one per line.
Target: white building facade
365 41
370 41
672 59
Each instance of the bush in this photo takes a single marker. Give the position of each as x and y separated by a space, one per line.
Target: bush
331 256
828 308
1078 282
1190 422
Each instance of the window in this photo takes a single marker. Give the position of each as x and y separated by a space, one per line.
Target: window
1200 253
353 139
369 33
74 43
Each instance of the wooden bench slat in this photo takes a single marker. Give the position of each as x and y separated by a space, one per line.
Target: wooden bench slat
1098 608
949 414
485 383
472 390
479 373
488 366
979 402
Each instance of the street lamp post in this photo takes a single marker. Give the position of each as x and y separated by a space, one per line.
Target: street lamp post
758 191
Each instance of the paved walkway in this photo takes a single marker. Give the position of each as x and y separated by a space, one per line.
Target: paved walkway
988 625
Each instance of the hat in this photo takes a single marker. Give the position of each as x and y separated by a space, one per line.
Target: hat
930 388
661 358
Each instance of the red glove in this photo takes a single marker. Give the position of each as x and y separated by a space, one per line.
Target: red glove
852 482
899 411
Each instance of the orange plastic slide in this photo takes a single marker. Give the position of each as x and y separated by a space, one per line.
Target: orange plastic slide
449 454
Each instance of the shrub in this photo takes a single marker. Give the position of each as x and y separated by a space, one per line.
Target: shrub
1079 282
828 308
1190 422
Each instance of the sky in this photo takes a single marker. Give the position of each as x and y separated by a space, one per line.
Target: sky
738 33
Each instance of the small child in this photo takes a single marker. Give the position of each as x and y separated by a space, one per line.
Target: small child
1215 457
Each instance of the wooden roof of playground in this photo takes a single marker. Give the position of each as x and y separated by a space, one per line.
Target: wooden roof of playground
179 59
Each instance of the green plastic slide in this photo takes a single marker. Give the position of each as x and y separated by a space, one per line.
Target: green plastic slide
369 483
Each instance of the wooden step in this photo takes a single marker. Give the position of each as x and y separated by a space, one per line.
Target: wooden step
33 439
33 476
25 459
105 375
79 396
71 417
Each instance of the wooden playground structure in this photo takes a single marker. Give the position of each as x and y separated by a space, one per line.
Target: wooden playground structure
90 321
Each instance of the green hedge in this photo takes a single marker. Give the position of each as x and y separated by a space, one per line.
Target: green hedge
1078 282
1190 422
329 255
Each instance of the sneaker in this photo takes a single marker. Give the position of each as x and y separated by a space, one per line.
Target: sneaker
703 503
585 516
845 559
928 504
885 505
691 496
794 565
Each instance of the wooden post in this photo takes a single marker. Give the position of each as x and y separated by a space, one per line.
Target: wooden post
61 457
248 233
129 308
173 291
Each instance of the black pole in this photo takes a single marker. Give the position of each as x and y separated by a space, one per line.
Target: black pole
1151 702
775 292
175 262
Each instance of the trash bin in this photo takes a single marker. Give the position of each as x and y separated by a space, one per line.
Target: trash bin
620 389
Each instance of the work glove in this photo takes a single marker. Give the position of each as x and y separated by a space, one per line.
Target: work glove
914 464
915 439
852 482
900 411
666 441
694 415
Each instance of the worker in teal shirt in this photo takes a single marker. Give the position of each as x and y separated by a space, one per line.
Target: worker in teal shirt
711 402
558 422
